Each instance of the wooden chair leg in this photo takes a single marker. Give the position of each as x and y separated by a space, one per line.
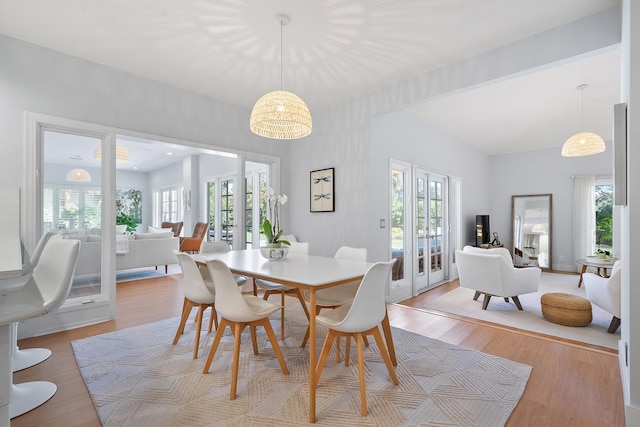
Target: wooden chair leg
388 337
302 303
347 351
485 301
274 344
615 324
186 309
516 301
476 296
306 334
199 317
324 354
236 357
214 345
282 315
385 355
363 393
254 339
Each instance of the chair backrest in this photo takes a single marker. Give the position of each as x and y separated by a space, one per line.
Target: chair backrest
176 227
352 254
368 307
53 274
37 252
230 302
299 248
213 247
193 285
200 230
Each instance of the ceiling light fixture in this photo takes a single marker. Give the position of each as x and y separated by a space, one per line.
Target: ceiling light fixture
583 143
122 154
280 114
78 175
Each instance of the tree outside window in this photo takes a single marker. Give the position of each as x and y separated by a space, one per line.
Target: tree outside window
604 216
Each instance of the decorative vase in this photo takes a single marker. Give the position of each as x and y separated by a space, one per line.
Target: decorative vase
274 253
602 255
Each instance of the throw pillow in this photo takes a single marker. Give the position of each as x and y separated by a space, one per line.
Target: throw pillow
157 230
163 235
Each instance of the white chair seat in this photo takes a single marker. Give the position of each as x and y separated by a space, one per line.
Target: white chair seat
340 295
259 307
272 286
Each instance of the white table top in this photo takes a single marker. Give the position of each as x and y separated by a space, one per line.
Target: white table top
306 271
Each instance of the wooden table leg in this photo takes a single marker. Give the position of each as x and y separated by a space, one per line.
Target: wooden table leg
312 356
388 337
584 268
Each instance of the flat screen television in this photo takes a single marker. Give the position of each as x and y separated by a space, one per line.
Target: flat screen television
483 234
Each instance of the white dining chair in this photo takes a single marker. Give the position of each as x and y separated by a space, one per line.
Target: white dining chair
239 311
44 292
271 288
196 294
218 247
338 295
359 319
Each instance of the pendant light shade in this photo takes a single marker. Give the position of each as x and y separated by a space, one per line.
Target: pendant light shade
122 154
78 175
583 143
280 114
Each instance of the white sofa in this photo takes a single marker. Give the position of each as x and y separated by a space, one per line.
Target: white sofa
144 250
491 272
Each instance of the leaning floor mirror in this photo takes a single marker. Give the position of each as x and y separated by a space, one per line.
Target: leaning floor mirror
531 230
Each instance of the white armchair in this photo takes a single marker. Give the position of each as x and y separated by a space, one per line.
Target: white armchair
605 293
491 272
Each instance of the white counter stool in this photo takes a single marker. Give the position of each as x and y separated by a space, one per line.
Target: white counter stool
23 359
44 292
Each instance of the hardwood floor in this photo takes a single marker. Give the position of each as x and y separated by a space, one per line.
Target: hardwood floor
570 385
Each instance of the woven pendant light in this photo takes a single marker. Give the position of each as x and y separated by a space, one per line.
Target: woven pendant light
583 143
78 175
122 154
281 114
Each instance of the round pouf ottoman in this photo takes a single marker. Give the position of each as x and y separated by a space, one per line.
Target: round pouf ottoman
566 309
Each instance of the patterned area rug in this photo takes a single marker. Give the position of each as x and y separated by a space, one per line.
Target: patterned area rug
460 301
137 378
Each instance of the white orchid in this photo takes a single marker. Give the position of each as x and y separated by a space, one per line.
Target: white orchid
272 231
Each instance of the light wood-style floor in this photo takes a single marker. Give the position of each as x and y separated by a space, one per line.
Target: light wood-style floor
570 385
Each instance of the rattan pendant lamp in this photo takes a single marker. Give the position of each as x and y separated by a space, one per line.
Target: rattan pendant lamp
583 143
280 114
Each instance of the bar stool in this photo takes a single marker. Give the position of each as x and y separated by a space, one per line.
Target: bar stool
44 292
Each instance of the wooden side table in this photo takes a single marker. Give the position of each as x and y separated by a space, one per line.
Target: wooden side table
601 265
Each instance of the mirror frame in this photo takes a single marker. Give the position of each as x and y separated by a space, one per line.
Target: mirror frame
550 223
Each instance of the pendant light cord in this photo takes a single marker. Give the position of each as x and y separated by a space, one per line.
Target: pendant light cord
281 25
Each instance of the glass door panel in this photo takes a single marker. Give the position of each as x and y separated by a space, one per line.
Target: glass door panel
437 235
398 249
72 202
421 276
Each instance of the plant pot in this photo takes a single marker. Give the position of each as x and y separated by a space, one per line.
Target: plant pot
602 256
274 254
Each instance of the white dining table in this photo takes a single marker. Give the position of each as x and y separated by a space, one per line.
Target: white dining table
306 272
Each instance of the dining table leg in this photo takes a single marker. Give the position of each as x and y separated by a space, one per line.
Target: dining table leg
312 356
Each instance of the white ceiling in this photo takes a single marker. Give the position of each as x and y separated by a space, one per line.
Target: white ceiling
336 49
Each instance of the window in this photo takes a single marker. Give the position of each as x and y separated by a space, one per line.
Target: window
70 208
604 215
167 205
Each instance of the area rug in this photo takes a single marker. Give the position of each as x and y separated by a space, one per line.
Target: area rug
460 301
137 378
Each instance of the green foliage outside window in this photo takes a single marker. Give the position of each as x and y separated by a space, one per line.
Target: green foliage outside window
604 216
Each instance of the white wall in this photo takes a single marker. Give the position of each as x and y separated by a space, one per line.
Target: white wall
542 172
42 81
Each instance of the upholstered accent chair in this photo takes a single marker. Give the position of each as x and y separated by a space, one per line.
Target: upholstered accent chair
176 227
606 293
490 272
192 244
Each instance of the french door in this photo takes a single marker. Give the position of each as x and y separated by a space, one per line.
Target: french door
419 204
431 237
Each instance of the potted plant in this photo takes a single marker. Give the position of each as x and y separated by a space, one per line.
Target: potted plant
272 231
128 220
603 253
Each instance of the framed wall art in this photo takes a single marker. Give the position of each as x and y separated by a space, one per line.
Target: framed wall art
322 190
